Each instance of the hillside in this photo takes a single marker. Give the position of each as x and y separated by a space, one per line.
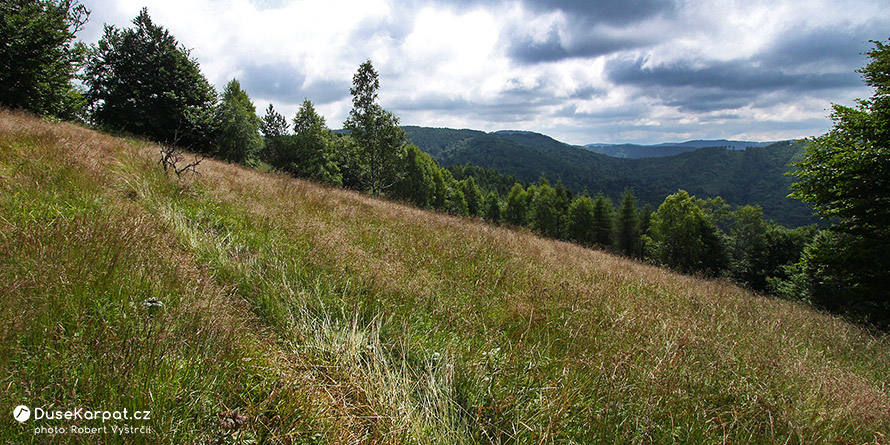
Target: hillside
752 176
635 151
238 307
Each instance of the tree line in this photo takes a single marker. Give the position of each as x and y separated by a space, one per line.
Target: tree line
142 81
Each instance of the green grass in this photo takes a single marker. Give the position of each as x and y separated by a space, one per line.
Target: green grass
294 313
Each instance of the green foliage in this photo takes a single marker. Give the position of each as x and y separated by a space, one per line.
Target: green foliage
273 124
238 127
275 131
545 212
456 204
753 176
516 211
488 179
844 177
603 221
39 58
682 237
141 80
492 210
312 150
473 196
627 232
580 221
418 183
380 142
747 248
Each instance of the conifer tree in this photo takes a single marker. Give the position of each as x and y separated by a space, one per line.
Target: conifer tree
628 226
142 81
545 212
238 135
603 221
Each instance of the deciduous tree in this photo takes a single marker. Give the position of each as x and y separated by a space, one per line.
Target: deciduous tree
845 177
39 58
380 142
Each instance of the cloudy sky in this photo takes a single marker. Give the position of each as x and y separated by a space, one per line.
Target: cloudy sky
641 71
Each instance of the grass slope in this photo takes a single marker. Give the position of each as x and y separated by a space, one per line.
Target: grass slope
240 306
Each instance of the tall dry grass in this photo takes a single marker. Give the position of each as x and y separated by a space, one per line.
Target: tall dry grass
325 315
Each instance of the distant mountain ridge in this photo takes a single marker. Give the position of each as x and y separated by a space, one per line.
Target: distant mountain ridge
755 176
636 151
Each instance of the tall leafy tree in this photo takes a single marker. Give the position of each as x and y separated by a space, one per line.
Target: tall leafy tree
418 181
492 208
313 150
39 58
516 212
238 135
142 81
545 211
380 142
747 247
456 204
844 177
473 196
580 221
682 237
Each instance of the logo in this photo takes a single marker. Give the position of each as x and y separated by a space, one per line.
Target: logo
21 413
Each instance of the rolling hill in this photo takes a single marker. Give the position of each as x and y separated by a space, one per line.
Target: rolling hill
754 176
634 151
241 307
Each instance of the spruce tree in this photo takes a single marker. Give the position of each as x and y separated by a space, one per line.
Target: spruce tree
603 221
142 81
628 226
238 127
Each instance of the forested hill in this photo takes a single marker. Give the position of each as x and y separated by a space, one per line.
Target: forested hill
754 176
668 149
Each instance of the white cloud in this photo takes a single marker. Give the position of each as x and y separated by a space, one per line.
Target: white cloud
514 64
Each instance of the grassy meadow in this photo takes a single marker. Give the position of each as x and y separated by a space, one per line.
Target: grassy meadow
247 307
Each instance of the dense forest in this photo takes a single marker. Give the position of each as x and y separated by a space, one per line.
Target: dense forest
756 176
692 212
634 151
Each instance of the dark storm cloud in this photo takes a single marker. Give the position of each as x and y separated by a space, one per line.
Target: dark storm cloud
525 49
703 86
608 12
586 31
741 75
841 45
287 84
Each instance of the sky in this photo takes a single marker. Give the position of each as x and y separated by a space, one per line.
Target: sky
628 71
